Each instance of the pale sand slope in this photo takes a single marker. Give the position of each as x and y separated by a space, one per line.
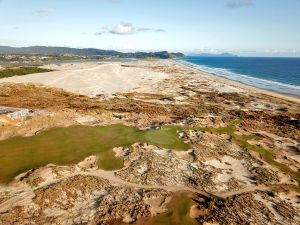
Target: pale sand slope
93 79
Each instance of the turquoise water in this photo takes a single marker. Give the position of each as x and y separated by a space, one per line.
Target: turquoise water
277 74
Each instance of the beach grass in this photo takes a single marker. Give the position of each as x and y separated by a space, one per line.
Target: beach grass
242 140
19 71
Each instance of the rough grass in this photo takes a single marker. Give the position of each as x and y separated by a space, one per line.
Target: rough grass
266 155
22 71
178 212
72 144
294 188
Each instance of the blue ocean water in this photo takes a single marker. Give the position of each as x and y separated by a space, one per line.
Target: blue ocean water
277 74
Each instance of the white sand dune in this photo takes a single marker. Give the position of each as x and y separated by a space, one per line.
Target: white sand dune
92 80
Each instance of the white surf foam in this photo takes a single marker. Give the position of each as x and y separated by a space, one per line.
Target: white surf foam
249 80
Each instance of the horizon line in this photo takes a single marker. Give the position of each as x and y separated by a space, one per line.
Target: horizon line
236 53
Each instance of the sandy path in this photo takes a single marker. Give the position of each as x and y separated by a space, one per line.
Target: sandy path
25 195
110 175
243 190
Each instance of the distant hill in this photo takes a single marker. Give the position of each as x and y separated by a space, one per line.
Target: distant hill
161 55
43 50
214 55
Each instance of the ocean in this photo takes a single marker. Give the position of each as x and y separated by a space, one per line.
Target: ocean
276 74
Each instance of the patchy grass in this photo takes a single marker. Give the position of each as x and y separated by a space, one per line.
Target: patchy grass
22 71
166 137
294 188
178 212
72 144
242 140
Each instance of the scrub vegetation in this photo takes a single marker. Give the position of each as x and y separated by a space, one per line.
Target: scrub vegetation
266 155
10 72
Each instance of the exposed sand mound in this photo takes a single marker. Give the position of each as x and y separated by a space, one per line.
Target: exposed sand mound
93 80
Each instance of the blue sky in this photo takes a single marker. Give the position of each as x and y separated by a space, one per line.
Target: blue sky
246 27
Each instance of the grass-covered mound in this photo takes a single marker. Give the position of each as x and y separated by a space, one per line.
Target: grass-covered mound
10 72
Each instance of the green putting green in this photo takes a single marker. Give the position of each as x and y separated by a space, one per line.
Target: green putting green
72 144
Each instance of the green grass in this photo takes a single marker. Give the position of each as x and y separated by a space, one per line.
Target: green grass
22 71
177 214
166 137
72 144
294 188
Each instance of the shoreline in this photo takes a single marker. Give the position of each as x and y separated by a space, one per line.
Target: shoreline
238 84
113 70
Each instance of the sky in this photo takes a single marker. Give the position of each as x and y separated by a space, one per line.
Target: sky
244 27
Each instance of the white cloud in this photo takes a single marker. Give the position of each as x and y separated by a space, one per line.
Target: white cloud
159 30
239 3
143 29
41 11
123 28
